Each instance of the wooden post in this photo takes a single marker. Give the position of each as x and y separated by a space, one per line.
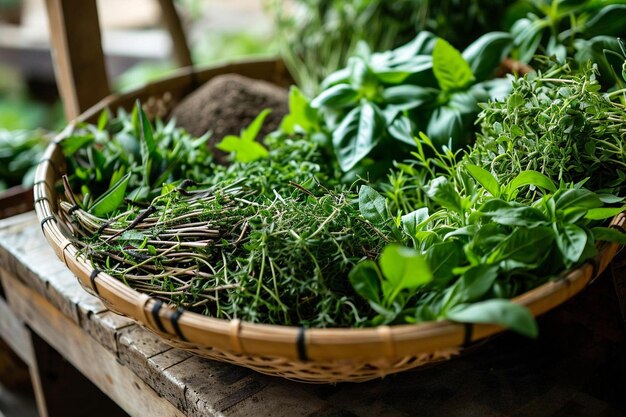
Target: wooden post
180 49
77 53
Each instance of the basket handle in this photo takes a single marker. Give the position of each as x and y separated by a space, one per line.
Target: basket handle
77 51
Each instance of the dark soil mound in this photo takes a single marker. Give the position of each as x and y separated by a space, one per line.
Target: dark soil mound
228 103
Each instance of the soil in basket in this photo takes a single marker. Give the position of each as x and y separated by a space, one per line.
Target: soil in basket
229 102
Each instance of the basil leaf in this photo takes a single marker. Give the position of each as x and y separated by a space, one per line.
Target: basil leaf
486 53
357 134
579 198
411 221
484 178
402 130
528 246
336 97
534 178
406 97
571 241
443 193
442 259
372 206
365 279
450 69
445 127
477 281
500 312
403 268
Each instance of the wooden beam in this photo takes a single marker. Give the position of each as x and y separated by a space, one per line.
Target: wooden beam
77 54
95 362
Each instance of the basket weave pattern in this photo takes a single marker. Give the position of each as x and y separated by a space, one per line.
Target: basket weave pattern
310 355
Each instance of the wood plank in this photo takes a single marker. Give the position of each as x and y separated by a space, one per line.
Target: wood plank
95 362
103 327
149 358
15 334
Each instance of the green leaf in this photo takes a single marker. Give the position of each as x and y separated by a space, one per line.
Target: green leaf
406 97
402 130
450 69
603 213
300 110
336 97
357 134
147 139
571 241
477 281
528 246
523 216
245 147
72 144
443 193
609 234
111 200
403 268
485 178
365 279
411 221
486 53
250 133
530 177
372 206
500 312
245 151
446 128
577 198
103 120
443 258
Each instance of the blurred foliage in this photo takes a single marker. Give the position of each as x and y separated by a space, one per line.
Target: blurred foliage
317 36
20 151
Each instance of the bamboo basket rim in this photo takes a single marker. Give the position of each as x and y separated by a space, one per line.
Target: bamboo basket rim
267 340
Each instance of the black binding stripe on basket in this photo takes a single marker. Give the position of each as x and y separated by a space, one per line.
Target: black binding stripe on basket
42 198
73 209
47 219
174 320
92 280
468 334
301 345
618 227
155 315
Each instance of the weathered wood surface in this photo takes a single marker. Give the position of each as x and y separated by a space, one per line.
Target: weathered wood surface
577 366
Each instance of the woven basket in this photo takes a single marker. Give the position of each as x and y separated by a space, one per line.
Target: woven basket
311 355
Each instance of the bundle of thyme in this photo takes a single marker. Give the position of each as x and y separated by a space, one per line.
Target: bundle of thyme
229 252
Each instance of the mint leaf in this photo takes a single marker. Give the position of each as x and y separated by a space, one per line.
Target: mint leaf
450 68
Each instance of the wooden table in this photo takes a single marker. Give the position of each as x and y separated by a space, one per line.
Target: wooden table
73 344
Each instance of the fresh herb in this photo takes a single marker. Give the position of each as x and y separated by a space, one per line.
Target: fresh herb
376 105
559 124
126 158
